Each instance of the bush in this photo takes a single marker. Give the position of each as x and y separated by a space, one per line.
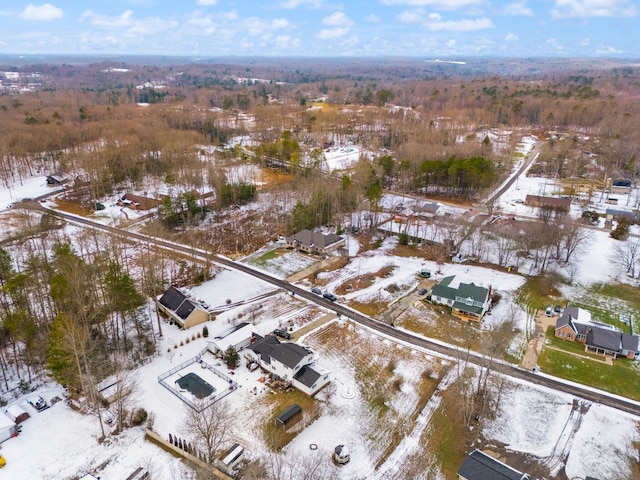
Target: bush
187 340
403 238
139 417
205 331
621 232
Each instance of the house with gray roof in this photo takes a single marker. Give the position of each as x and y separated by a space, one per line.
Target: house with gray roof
180 310
480 466
288 362
575 325
468 301
315 242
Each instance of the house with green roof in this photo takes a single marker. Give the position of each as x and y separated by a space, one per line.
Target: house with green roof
468 301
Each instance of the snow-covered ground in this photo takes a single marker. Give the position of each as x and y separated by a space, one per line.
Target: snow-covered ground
61 443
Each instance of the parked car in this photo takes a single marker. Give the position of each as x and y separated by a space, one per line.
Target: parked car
549 312
330 296
557 309
38 403
279 332
316 290
422 291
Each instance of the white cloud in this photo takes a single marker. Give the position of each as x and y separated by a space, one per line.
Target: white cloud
518 8
123 20
151 25
459 25
451 43
411 16
593 8
331 33
41 12
373 18
435 16
585 42
510 37
436 4
257 27
207 3
286 42
337 19
607 50
291 4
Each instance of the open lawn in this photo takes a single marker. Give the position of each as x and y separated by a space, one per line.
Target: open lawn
393 383
608 301
540 292
436 321
622 378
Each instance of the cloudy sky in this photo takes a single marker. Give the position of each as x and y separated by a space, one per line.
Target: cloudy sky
424 28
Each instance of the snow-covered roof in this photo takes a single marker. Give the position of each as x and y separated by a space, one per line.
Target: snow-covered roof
5 422
14 411
241 333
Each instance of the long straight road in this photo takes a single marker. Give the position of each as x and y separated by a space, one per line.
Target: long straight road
440 348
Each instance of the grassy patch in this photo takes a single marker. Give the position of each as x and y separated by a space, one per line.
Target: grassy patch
435 321
622 378
275 437
73 208
372 309
613 300
540 292
364 281
265 257
447 436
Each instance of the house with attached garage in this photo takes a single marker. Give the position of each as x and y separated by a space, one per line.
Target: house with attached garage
468 301
480 466
180 309
315 242
575 325
288 362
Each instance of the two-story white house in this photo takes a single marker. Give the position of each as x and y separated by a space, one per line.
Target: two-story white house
289 362
468 302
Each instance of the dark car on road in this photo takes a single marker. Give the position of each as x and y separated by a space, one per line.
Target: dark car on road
422 291
330 296
279 332
316 290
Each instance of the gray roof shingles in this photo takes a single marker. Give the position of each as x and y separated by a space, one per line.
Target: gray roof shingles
480 466
288 354
309 237
307 376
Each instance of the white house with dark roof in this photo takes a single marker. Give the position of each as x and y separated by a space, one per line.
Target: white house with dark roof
468 301
315 242
180 309
289 362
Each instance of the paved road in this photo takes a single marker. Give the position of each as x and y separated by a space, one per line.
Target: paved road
427 344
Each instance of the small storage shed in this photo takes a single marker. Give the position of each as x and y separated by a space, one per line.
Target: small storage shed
289 417
230 459
16 413
7 428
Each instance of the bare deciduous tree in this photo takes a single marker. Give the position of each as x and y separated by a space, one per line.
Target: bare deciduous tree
208 429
